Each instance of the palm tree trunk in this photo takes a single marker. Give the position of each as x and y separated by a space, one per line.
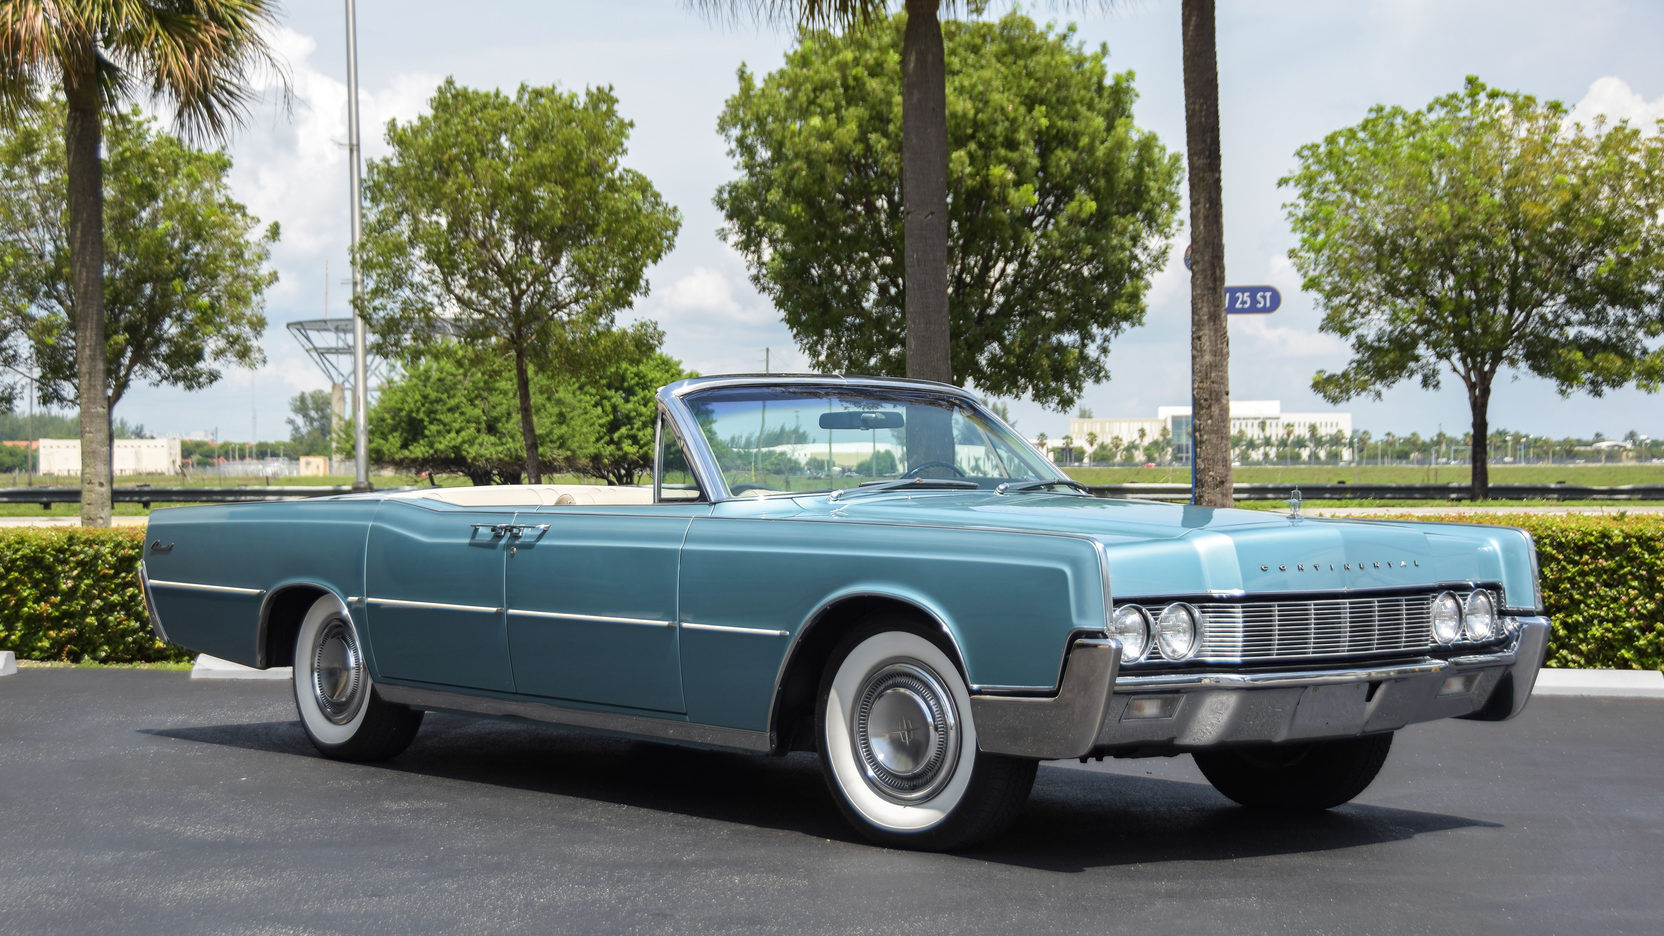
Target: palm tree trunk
924 191
1210 346
82 139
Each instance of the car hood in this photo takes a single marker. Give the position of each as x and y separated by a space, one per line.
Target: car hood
1156 549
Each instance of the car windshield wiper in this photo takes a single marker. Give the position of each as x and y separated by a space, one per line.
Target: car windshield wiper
873 487
1021 486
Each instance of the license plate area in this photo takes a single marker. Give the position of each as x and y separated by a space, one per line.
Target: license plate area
1331 710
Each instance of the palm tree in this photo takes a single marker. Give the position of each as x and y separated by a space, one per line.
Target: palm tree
197 57
1210 347
924 156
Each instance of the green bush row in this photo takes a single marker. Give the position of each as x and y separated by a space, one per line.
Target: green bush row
72 594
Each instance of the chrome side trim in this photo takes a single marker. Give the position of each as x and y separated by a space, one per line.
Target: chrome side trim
221 589
725 629
604 619
436 605
1065 725
643 726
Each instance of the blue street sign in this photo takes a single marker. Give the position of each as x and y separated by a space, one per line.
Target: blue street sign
1252 300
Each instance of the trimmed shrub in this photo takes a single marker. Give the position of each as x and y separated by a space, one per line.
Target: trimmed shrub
73 595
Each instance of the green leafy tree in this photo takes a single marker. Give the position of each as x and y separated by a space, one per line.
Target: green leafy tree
185 264
1059 208
512 225
195 57
1482 233
313 419
608 413
455 410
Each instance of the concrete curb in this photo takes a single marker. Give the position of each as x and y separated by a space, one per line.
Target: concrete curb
8 662
1611 684
210 667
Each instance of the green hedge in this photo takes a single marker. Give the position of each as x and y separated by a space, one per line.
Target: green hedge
71 594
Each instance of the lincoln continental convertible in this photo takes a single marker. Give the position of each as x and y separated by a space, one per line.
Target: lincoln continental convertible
878 571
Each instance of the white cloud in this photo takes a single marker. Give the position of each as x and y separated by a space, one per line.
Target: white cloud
1613 98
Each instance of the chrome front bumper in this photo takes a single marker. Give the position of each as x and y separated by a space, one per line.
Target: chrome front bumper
1099 711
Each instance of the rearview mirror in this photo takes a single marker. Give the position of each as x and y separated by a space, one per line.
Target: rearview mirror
861 419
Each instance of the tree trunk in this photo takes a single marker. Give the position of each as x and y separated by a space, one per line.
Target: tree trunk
1479 404
82 140
924 191
1210 344
523 384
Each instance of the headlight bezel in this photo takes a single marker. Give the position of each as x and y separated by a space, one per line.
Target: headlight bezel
1131 653
1452 605
1471 614
1176 612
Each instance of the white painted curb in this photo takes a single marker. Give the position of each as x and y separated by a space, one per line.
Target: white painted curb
1614 684
8 662
210 667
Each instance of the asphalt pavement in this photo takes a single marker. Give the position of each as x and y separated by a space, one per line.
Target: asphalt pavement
144 802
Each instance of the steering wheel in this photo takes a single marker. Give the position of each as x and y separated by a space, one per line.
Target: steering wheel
914 471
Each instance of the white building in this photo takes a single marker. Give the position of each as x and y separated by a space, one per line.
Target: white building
1258 420
128 457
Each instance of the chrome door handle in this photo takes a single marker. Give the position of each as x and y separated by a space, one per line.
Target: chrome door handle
533 530
497 529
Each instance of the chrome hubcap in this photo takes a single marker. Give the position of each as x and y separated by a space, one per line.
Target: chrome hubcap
337 673
906 733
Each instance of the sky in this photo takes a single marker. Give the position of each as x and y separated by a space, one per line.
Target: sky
1289 72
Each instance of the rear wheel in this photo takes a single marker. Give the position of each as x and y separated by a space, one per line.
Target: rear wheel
898 746
339 708
1306 777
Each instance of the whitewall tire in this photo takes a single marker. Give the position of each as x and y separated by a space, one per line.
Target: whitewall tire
899 748
339 708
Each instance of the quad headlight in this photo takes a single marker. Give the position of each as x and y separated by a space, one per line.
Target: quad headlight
1176 631
1447 617
1480 616
1131 625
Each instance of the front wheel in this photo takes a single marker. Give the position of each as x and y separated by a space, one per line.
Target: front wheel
1306 777
339 707
898 746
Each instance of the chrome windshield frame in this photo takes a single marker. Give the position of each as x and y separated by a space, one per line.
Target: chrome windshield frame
672 402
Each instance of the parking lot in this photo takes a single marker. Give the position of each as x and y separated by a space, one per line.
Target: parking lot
143 802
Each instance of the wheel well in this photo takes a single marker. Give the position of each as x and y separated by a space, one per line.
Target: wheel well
283 613
794 701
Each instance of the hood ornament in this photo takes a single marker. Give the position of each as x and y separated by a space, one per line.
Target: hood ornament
1294 502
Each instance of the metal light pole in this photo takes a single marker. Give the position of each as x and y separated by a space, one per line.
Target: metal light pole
360 374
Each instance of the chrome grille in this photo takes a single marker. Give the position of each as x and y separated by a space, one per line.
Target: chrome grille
1252 631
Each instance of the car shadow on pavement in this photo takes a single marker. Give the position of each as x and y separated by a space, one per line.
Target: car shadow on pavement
1075 820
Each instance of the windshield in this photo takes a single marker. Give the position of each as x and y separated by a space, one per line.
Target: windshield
812 439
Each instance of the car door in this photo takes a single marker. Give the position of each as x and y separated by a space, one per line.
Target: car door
591 603
434 594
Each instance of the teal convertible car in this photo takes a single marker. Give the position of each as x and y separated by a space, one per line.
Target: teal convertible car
880 571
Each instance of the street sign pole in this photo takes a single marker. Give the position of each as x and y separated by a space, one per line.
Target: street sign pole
360 390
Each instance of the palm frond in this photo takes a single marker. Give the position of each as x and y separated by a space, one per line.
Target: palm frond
199 56
825 14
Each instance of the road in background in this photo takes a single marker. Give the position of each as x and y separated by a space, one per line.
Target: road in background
141 802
